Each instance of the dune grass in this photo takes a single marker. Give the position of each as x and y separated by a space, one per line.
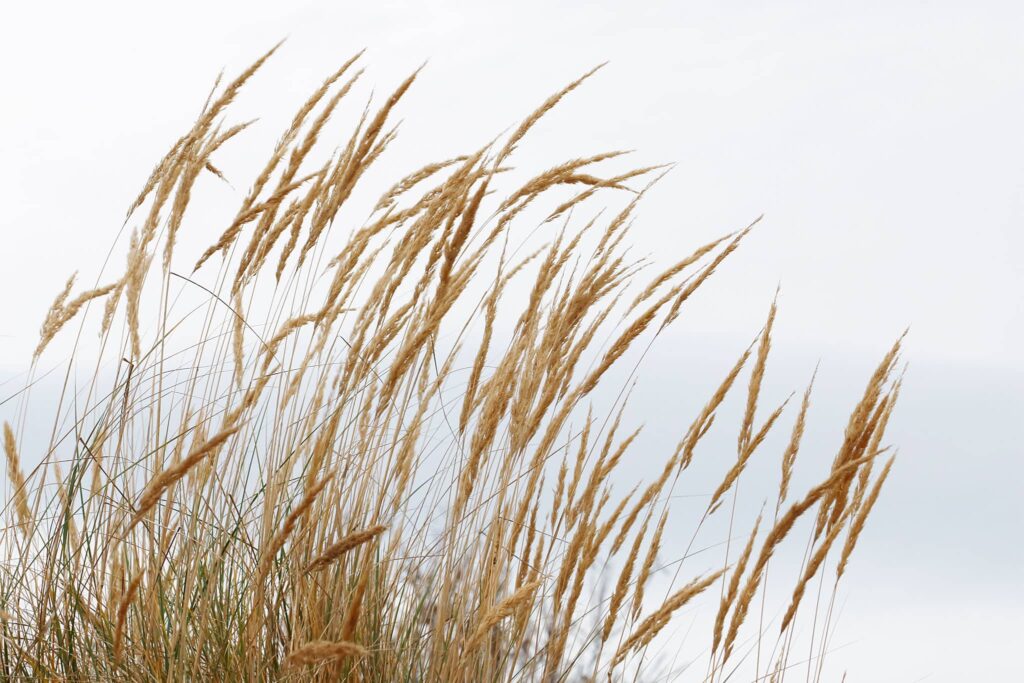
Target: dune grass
330 449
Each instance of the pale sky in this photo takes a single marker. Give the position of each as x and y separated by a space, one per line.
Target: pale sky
882 141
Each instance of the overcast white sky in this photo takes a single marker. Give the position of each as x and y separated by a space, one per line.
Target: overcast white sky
882 140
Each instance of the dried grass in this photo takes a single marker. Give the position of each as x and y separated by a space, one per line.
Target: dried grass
386 375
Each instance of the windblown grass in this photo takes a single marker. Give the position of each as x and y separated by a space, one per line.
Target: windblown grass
380 454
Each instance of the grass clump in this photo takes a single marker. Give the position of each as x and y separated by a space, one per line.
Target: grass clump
379 455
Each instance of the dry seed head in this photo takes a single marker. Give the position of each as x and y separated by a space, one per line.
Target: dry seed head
645 569
685 294
756 377
288 527
318 651
650 627
237 338
622 585
539 112
18 484
674 270
749 446
502 610
168 477
60 314
734 586
862 515
789 456
812 568
349 542
122 613
355 606
775 536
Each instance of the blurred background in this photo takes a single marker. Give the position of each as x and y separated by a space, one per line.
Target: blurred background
882 142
